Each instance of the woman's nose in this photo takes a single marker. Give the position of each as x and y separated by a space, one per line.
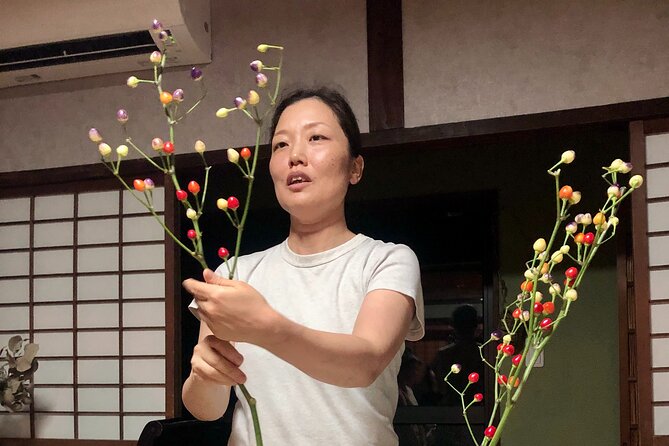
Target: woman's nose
298 155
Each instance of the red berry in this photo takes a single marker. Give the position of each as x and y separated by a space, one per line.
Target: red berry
508 350
478 397
193 187
191 234
223 253
490 431
168 147
571 273
549 308
517 313
589 238
233 203
516 360
500 346
538 307
566 192
245 153
527 286
473 377
138 185
546 324
502 379
569 282
181 195
578 238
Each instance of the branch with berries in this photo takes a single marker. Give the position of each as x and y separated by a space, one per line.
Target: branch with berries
193 197
533 314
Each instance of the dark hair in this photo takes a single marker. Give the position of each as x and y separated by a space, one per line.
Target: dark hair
337 103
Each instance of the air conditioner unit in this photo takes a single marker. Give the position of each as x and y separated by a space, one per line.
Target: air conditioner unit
63 39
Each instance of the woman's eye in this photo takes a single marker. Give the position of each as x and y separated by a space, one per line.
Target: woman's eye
317 138
279 145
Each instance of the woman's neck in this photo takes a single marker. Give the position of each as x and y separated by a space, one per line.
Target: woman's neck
314 238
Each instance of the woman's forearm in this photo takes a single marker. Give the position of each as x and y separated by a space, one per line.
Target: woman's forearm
346 360
205 400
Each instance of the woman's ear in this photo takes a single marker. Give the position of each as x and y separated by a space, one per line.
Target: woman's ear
356 171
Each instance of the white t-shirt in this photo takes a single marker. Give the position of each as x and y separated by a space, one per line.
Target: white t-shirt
323 291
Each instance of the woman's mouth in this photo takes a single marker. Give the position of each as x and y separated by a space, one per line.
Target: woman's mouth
297 178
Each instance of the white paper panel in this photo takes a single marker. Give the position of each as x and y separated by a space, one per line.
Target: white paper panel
659 318
139 229
53 316
144 371
15 236
97 315
97 259
144 399
54 234
97 231
97 287
15 318
103 427
16 209
14 425
52 262
97 343
133 425
138 286
15 290
98 203
660 352
99 400
132 206
54 344
14 264
657 181
54 426
98 371
54 206
54 399
53 289
661 386
144 314
661 420
143 257
657 148
659 284
658 250
658 216
144 342
54 372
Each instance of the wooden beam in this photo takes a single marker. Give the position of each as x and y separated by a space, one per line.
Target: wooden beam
385 71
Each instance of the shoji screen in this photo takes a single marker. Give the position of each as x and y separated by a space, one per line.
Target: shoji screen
657 178
82 274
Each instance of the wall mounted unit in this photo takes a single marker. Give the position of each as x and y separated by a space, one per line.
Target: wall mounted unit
65 39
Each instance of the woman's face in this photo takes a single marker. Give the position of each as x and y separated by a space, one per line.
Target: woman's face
310 164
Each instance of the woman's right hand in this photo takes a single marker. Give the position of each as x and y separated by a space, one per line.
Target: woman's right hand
217 361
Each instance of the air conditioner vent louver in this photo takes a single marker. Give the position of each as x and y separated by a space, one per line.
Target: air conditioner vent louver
79 50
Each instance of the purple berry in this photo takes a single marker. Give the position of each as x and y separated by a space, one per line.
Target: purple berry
195 73
163 36
178 95
122 116
261 80
156 25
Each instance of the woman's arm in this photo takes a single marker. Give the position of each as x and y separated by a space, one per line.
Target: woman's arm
235 310
215 368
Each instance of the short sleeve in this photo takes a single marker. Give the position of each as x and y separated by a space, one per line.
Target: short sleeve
396 268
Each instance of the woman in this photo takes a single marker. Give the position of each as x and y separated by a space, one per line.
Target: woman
319 321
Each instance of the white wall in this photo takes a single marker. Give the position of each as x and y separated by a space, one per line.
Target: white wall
46 125
474 59
464 60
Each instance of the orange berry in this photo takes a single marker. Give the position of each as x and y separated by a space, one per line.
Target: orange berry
566 192
165 97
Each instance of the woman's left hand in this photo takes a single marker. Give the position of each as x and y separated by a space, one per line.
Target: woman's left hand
233 310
